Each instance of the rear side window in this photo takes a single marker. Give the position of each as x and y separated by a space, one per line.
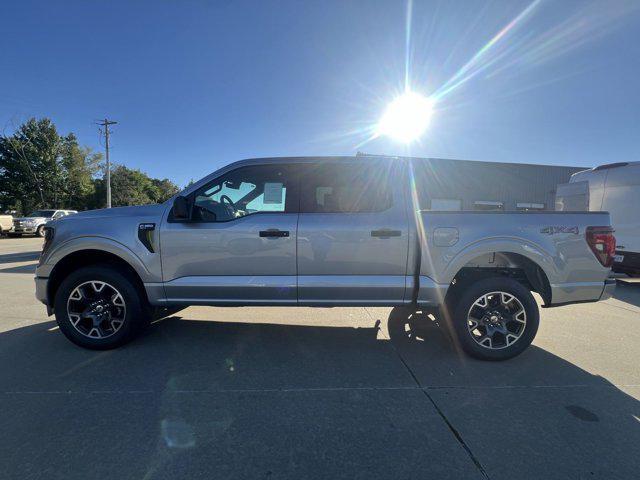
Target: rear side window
346 188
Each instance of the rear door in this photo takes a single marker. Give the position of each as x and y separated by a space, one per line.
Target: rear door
352 234
240 246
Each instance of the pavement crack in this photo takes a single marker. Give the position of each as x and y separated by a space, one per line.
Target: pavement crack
457 435
307 389
447 422
633 310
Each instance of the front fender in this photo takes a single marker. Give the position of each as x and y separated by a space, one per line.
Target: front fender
95 243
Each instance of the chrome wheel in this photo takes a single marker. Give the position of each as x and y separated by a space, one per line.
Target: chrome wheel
96 309
496 320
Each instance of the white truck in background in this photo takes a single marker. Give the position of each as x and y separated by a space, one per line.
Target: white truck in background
6 224
614 188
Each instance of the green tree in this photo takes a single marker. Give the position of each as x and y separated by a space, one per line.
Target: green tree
41 169
165 189
133 187
30 170
81 165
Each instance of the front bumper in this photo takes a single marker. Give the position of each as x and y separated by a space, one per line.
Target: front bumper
24 230
41 289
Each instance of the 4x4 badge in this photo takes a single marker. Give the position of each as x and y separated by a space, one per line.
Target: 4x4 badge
560 229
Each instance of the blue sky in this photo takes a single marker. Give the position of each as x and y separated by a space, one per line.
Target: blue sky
197 84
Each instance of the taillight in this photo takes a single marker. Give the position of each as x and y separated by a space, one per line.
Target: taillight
602 244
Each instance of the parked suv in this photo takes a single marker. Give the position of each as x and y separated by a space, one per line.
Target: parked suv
321 232
33 224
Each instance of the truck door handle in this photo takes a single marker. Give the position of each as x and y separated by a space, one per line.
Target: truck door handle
385 233
274 233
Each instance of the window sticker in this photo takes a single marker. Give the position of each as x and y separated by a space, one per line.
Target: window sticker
272 192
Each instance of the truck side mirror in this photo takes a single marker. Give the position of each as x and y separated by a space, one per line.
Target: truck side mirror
181 208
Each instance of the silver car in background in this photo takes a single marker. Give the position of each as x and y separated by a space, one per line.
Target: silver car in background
33 224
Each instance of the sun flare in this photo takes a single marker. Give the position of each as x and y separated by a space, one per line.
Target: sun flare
407 117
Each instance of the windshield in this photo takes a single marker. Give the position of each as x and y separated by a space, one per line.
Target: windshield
42 213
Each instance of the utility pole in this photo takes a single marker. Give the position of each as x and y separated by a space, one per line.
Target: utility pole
105 123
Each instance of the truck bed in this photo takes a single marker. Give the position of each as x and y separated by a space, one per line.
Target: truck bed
555 241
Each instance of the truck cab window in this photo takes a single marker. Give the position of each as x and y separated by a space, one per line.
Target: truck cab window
245 191
351 188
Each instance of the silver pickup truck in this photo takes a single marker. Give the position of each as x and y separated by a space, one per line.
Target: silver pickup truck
34 223
338 231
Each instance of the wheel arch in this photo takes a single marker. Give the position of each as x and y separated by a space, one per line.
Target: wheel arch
508 264
88 257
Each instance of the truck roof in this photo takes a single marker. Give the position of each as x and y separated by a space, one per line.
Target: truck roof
607 166
365 156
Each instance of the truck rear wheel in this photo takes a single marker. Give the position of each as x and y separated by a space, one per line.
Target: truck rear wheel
494 318
99 308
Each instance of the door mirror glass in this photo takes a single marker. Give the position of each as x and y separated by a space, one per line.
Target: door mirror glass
181 208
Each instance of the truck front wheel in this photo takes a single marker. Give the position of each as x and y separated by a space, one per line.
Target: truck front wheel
494 318
99 308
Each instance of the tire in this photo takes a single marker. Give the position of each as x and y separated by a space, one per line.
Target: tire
504 313
99 308
40 231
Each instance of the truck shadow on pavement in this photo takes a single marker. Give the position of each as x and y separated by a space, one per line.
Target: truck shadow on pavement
628 293
22 257
29 268
19 257
238 400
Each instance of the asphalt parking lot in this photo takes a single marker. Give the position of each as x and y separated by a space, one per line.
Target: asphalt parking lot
314 393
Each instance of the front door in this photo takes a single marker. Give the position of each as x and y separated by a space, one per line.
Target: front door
240 246
352 234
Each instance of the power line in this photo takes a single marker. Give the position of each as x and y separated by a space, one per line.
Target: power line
105 124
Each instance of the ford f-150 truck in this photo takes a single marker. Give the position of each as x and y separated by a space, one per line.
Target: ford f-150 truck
332 231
